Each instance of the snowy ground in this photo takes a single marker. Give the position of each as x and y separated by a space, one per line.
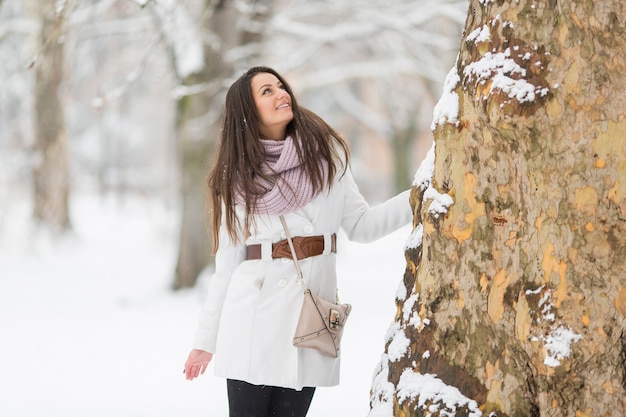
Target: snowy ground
89 327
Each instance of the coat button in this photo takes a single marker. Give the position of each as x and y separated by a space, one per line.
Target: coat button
283 235
286 260
308 230
282 283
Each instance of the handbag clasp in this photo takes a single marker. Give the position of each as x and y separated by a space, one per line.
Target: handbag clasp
333 320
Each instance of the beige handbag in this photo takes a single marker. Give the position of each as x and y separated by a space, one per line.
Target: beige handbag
320 325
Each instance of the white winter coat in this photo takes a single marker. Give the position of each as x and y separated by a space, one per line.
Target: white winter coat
250 314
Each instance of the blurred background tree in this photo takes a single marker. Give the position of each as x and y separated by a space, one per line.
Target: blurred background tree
198 52
50 163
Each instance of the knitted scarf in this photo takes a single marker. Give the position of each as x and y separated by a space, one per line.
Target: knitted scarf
292 188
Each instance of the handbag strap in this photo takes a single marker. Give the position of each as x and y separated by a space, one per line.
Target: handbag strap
293 253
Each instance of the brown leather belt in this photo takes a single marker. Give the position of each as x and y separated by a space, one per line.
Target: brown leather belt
305 247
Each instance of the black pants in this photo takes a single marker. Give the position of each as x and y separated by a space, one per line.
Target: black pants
247 400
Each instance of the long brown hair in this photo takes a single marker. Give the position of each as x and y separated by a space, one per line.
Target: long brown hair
240 154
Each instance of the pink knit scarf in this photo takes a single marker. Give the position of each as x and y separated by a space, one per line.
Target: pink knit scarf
292 188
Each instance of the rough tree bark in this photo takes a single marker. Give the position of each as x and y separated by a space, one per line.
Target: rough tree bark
198 123
51 168
515 300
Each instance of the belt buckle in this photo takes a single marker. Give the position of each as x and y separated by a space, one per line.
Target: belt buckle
282 250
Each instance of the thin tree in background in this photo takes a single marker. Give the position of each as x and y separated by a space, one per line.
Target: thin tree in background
51 171
514 297
231 33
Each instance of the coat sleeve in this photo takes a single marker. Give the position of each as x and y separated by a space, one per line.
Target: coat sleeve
227 258
363 223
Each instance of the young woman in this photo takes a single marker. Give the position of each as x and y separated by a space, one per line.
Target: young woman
276 158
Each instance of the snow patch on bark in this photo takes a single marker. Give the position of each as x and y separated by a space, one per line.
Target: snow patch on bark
424 174
414 241
439 201
546 307
398 347
381 403
392 330
557 345
447 108
408 306
410 316
401 291
482 34
433 395
558 342
500 69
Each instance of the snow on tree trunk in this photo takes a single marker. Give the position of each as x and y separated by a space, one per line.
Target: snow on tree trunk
514 298
51 171
231 27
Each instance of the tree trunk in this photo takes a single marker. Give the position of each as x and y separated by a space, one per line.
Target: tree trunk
515 300
198 141
401 145
51 171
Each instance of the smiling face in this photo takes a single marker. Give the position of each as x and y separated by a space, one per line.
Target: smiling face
273 104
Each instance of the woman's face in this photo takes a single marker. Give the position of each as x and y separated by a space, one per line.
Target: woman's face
273 104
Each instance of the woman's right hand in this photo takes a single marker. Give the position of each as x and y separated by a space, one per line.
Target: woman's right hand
196 364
